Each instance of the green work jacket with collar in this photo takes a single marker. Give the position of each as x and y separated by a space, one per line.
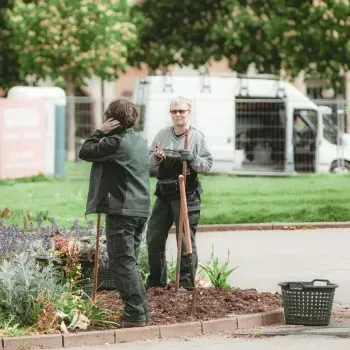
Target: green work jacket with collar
119 177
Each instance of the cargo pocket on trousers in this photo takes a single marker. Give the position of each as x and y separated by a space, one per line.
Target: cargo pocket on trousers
116 243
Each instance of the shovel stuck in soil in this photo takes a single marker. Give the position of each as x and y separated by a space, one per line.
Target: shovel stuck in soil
179 233
186 226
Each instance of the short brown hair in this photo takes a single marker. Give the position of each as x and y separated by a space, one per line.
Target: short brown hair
124 111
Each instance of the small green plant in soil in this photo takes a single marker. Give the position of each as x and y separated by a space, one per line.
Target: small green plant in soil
171 267
217 272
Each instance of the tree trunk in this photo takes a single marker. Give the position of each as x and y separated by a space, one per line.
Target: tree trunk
347 99
70 91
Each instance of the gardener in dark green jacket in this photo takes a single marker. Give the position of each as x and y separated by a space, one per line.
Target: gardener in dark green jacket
119 188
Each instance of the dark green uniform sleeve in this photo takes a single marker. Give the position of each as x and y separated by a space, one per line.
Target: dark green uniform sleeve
99 148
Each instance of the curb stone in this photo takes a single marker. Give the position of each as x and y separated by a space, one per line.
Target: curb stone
89 338
273 317
270 226
249 321
127 335
33 342
177 330
219 325
188 329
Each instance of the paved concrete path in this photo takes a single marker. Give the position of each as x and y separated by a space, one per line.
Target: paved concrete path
229 342
266 258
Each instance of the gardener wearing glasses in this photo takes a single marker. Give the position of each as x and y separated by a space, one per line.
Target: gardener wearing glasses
166 155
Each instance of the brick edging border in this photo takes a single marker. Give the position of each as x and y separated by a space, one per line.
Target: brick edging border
188 329
270 226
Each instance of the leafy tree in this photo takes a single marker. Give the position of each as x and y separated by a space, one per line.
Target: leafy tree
243 38
297 35
177 32
69 41
313 36
293 35
9 65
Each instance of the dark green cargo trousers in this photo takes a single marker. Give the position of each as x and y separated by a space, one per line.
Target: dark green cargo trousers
164 214
123 245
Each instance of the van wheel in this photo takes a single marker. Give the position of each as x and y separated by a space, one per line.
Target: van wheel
335 168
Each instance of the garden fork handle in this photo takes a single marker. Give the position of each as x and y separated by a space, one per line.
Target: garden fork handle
184 211
186 225
97 254
179 233
184 162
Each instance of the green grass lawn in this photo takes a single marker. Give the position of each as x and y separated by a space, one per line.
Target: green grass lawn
226 199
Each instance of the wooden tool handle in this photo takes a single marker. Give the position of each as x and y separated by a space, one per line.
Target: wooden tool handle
182 221
97 254
184 163
183 206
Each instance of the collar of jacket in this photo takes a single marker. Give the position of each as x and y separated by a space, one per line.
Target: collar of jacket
122 132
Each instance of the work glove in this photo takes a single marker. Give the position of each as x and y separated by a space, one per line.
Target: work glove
186 155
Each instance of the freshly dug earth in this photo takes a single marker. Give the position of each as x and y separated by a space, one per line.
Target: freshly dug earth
167 307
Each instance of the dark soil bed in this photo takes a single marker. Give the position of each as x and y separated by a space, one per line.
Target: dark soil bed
167 306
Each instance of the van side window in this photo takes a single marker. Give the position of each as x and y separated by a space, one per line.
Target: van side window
329 129
304 127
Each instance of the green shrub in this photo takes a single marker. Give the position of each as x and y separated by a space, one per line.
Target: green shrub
217 273
23 286
12 330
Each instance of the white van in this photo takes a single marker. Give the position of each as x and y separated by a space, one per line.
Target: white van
251 125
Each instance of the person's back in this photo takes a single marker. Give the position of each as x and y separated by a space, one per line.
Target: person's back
125 173
119 187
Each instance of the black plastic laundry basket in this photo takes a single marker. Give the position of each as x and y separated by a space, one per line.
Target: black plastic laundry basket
306 303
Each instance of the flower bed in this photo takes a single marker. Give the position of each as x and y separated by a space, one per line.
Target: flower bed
46 278
168 307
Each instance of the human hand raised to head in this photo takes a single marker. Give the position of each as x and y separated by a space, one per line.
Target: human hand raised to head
159 151
187 155
109 125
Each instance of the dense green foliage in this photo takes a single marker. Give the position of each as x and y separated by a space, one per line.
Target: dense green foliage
291 35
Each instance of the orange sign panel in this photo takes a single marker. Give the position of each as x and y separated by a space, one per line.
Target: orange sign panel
22 138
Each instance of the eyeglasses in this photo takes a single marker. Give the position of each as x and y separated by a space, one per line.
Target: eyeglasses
181 111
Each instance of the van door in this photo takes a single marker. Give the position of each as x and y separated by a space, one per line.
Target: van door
260 133
330 150
305 131
214 117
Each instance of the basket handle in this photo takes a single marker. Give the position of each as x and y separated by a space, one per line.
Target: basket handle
320 280
301 285
292 285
